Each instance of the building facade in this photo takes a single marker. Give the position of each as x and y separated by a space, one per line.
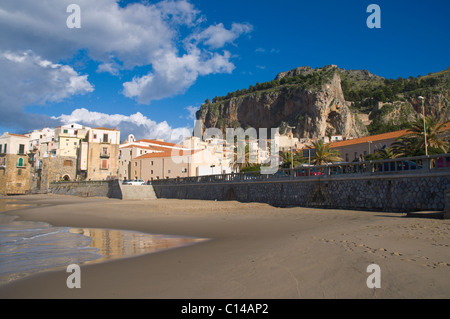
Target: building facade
99 154
15 166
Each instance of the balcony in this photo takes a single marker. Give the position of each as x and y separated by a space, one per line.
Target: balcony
104 155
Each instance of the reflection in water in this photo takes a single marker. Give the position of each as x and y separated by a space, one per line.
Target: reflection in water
31 247
113 244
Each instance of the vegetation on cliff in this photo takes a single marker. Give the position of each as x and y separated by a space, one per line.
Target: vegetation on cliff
390 104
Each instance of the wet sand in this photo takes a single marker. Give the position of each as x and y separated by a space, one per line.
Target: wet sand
255 251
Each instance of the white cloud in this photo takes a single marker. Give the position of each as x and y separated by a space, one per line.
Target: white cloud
27 79
137 124
140 34
173 74
217 36
36 80
192 110
108 68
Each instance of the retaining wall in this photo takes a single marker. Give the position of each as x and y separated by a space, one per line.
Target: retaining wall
396 193
109 189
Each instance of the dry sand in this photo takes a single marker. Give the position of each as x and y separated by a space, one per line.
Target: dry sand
256 251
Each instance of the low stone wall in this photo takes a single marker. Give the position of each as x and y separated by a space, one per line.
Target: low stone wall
137 192
396 193
109 189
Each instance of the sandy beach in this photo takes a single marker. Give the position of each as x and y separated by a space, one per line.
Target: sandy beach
255 251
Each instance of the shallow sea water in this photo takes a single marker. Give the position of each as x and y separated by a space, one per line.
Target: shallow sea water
28 247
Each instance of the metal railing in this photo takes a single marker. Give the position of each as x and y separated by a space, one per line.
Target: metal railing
407 165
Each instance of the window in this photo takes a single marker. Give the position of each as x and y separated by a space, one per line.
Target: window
151 171
168 171
19 172
105 151
65 131
6 146
68 163
95 136
152 163
105 137
20 163
1 146
104 164
21 149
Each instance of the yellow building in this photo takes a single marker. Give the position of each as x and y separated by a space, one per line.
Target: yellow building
99 154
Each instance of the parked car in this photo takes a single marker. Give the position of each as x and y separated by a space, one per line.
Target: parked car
134 182
399 166
441 163
306 172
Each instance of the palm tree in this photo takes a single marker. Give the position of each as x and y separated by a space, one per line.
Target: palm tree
287 159
384 153
413 143
324 154
239 164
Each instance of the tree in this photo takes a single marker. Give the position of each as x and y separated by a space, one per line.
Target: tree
239 164
287 159
413 143
324 154
382 154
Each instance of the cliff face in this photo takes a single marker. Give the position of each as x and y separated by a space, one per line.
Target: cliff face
314 110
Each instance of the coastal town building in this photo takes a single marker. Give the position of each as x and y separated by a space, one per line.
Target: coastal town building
30 162
176 164
99 153
133 149
14 164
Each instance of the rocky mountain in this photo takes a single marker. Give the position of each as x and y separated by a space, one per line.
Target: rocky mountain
330 101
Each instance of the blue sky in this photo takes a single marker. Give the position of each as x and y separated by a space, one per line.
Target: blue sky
145 66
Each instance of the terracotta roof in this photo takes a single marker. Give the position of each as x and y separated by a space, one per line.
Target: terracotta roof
167 154
374 138
104 129
18 135
153 148
160 143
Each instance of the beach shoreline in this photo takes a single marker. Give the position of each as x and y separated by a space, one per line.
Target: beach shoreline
255 251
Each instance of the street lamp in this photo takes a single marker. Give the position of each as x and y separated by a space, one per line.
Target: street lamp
424 125
292 156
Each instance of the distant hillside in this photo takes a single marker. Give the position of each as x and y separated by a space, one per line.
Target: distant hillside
329 100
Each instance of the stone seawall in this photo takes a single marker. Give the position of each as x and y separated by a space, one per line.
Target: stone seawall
396 193
109 189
